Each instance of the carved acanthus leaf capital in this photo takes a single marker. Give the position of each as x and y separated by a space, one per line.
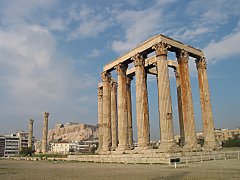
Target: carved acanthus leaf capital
113 85
182 56
46 114
161 48
121 69
100 92
106 76
201 63
129 79
138 60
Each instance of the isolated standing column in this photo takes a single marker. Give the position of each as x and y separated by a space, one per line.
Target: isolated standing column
45 132
30 133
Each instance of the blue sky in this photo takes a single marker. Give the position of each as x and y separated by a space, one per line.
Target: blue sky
52 52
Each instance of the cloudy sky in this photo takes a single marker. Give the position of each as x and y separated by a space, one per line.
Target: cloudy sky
52 52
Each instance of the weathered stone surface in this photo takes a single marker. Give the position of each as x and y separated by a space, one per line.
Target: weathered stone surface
142 113
45 132
187 102
207 117
164 98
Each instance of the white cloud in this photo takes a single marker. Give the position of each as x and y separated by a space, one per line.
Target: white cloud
89 28
228 46
137 28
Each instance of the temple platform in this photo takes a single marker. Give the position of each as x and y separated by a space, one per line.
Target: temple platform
156 158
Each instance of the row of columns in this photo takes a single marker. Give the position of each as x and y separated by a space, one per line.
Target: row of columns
116 112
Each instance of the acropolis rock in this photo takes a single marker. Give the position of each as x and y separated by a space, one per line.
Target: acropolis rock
72 132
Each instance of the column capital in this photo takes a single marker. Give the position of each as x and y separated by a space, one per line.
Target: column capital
201 63
129 79
31 121
100 92
113 85
106 76
46 114
121 69
138 60
161 48
182 56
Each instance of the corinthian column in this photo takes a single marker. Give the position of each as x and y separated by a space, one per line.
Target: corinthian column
114 114
106 114
45 132
187 102
122 107
100 119
142 114
129 106
180 114
30 133
207 117
164 98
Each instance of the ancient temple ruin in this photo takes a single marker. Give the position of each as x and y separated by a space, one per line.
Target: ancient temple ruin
114 99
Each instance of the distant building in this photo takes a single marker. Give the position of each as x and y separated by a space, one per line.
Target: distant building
221 135
72 147
11 145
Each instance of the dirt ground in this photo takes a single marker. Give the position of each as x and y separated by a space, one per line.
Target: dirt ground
220 169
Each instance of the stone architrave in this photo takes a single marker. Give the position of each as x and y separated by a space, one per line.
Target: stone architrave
179 99
129 105
142 113
114 114
30 133
187 102
164 98
100 119
207 117
106 111
45 132
122 108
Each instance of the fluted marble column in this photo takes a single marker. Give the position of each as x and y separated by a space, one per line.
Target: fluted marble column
187 102
164 98
129 105
45 132
30 133
179 99
100 119
106 115
122 108
114 114
142 113
207 117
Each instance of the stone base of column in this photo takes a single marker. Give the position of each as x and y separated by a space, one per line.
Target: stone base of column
98 150
104 152
168 146
191 147
141 148
210 146
113 148
122 148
